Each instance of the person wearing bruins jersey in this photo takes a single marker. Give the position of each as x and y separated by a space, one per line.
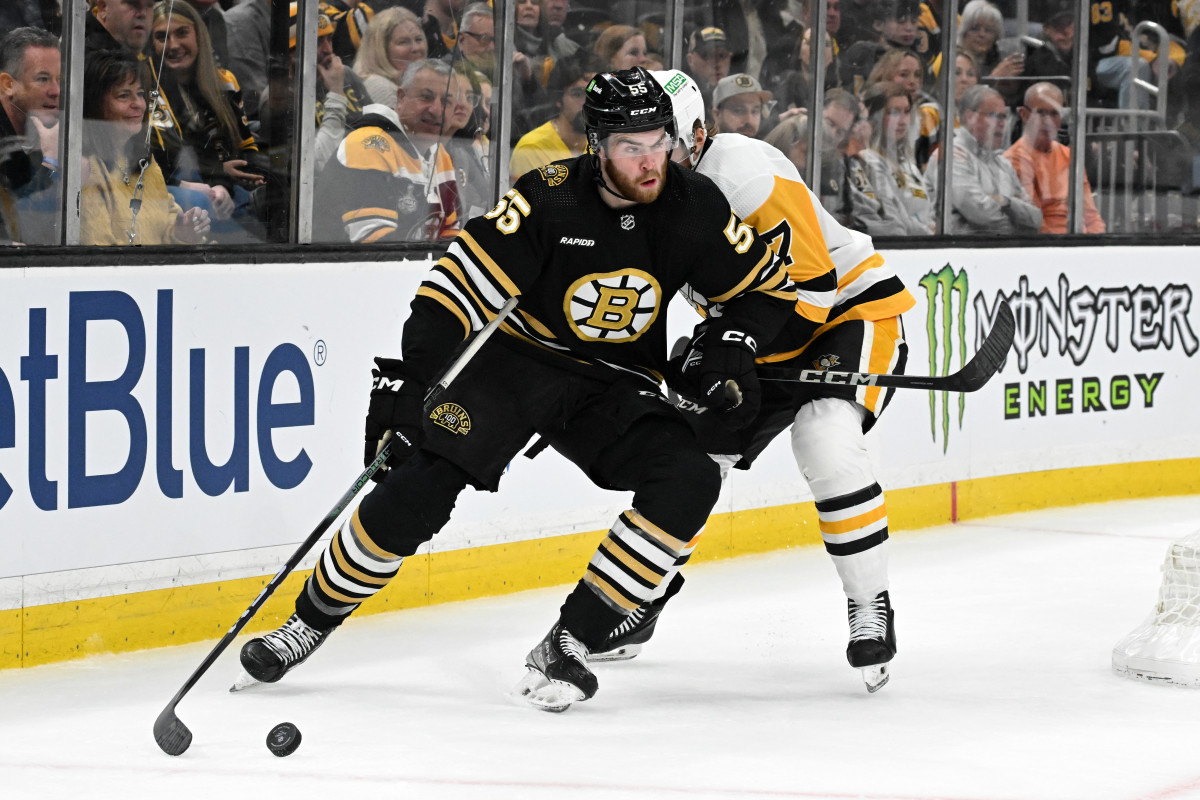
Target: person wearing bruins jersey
862 333
391 178
594 247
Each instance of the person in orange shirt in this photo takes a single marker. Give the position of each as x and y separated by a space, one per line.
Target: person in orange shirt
1042 162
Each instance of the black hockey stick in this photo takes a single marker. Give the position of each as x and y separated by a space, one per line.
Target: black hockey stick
974 374
172 736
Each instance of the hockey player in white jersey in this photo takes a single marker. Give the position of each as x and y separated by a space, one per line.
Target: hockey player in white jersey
828 422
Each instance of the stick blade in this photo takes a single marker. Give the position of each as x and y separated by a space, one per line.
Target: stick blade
992 352
171 735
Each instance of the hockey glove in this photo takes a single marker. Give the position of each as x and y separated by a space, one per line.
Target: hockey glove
728 380
394 414
683 368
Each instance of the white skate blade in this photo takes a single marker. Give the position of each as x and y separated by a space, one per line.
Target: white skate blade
546 695
875 677
244 681
623 653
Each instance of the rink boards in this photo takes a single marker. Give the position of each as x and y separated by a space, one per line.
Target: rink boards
168 434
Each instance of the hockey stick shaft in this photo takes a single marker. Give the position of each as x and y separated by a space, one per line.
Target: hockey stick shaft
172 736
974 374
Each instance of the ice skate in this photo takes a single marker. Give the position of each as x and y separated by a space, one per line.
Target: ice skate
872 639
268 658
557 673
627 639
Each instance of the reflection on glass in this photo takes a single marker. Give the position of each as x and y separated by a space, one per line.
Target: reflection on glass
30 71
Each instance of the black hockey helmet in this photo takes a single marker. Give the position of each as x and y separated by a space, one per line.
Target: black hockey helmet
628 100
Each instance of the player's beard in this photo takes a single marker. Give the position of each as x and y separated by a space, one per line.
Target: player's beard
631 189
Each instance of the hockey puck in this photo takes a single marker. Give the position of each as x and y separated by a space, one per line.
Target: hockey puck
283 739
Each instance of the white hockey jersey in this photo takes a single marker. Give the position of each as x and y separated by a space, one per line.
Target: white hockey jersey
765 189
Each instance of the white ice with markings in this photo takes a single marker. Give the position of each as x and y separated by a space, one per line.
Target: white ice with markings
1002 690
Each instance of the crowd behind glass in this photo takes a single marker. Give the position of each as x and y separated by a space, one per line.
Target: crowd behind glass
188 127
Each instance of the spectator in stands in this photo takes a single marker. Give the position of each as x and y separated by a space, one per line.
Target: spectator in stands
461 134
981 27
351 20
903 67
249 28
29 107
621 47
1042 162
860 20
391 179
119 25
534 37
477 40
791 138
119 168
555 13
859 57
341 94
788 78
214 19
393 41
740 104
477 46
899 184
708 58
986 195
440 22
1053 60
565 135
23 14
846 190
200 137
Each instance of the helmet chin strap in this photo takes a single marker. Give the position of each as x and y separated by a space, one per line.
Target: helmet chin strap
604 184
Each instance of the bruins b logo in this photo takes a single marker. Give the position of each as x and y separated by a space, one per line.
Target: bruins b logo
554 174
613 306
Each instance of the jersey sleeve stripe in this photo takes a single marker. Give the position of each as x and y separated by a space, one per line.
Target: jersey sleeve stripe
478 277
461 281
850 277
452 307
751 281
360 213
480 255
538 327
438 279
369 229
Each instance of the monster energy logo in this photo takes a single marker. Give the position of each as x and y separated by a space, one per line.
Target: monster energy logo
946 329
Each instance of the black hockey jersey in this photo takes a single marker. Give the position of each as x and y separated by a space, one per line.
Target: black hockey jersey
594 282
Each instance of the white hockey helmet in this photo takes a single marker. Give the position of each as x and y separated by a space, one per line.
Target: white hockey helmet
687 102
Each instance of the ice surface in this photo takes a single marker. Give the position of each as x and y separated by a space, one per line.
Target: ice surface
1002 690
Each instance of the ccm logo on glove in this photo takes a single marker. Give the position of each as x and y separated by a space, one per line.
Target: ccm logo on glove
740 337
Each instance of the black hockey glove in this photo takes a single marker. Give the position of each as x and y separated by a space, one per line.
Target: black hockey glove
683 368
394 414
728 380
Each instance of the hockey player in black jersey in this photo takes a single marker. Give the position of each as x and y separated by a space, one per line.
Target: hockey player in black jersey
861 332
594 247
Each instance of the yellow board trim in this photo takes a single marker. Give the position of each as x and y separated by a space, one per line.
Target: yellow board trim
180 615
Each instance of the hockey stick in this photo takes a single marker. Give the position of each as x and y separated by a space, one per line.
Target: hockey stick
172 736
974 374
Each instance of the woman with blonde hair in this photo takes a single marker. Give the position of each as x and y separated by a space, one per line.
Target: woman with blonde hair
903 68
199 130
394 40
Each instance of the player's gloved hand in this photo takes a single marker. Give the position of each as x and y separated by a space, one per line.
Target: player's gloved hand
394 414
683 368
728 380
